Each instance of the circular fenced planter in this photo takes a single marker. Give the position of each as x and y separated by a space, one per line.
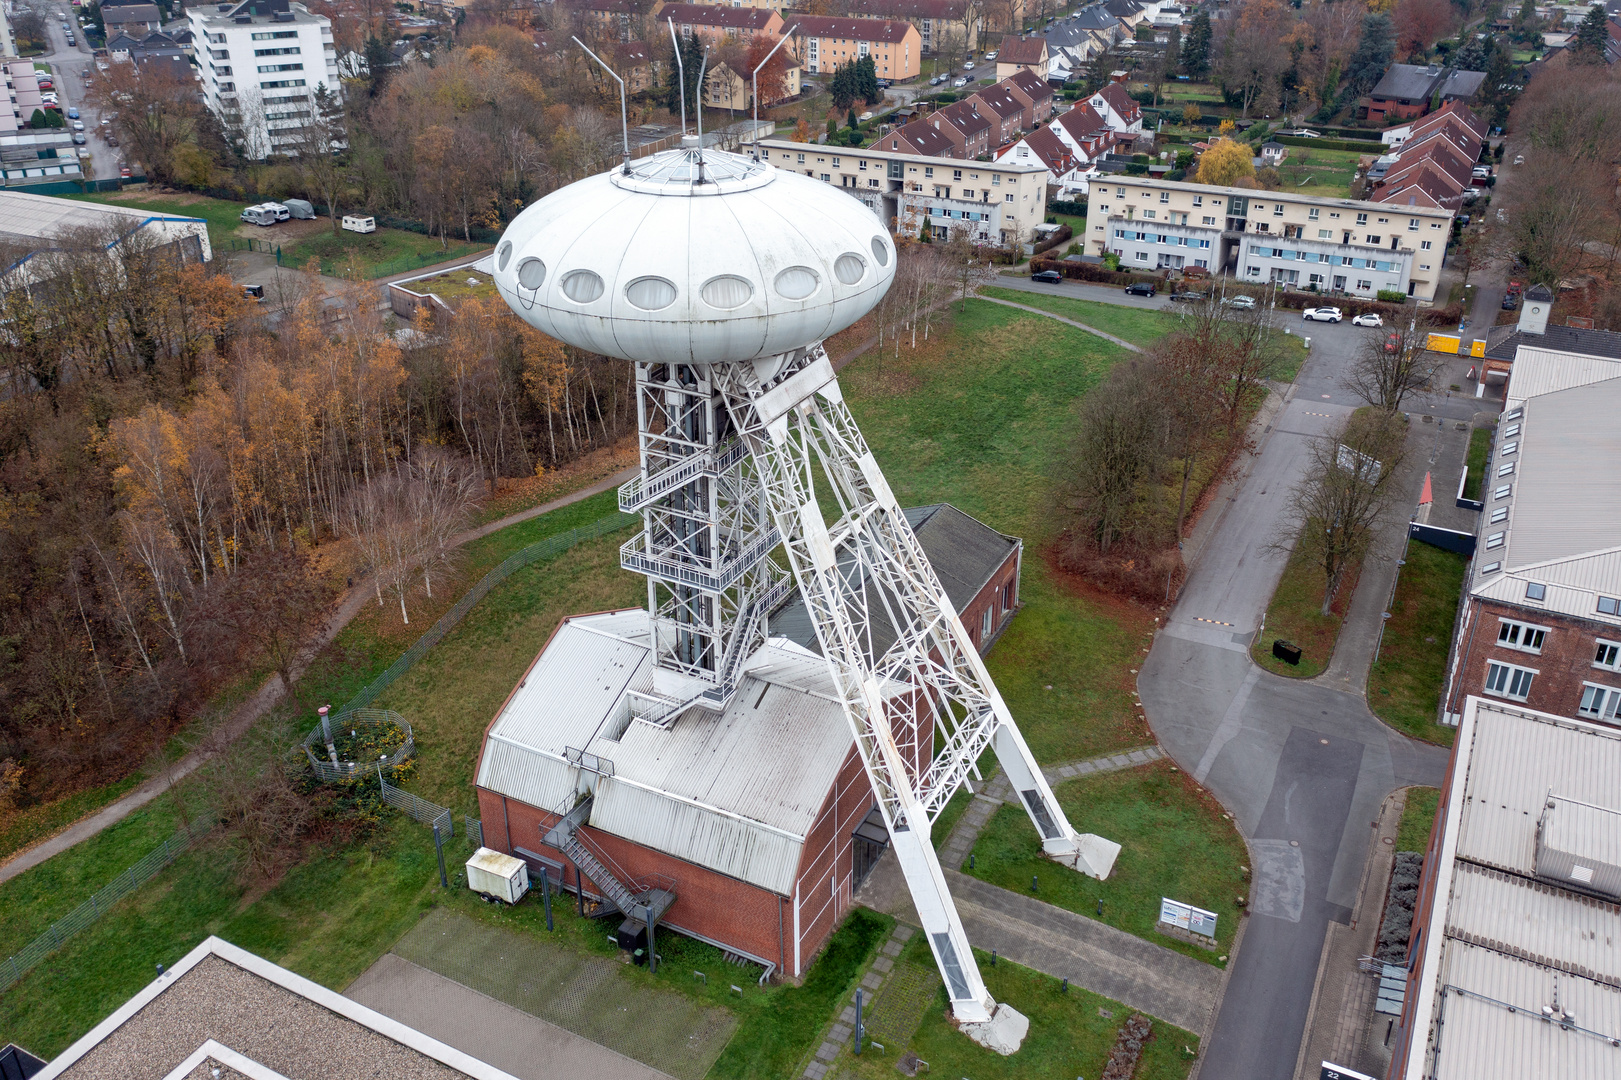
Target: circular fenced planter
357 743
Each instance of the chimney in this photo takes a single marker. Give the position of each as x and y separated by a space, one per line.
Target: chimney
1534 310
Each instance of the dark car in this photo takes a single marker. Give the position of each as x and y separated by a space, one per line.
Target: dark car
1189 297
1140 288
1510 301
1052 277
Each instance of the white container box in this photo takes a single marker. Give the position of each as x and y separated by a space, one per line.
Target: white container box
499 876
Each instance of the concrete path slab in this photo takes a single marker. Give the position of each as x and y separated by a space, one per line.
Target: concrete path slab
492 1031
1150 978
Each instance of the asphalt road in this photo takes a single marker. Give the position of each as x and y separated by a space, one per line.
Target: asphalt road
69 63
1303 766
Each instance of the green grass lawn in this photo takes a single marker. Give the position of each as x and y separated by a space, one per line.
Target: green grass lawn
1417 819
1071 1031
1409 674
1295 614
377 254
1174 842
1480 444
1137 325
25 827
1321 172
222 216
454 286
981 417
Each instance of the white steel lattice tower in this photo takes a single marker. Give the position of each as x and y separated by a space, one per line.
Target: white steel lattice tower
718 277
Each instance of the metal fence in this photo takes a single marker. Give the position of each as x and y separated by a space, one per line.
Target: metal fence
549 548
424 811
20 963
356 720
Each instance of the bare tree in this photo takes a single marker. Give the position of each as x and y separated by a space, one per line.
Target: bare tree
1348 492
321 139
261 810
270 606
1120 446
1391 363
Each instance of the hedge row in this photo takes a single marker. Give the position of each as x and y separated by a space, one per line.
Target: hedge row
1330 144
1080 271
1065 206
1447 315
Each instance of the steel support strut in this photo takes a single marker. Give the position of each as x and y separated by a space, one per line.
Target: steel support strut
869 558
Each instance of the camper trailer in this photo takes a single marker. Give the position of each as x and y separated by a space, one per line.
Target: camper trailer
361 223
260 215
302 209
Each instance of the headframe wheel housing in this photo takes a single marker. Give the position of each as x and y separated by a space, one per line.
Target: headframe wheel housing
694 261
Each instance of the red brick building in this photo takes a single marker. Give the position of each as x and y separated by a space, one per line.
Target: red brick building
755 818
1541 619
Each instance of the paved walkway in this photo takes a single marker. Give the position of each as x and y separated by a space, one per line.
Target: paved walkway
1122 342
1140 974
262 700
879 974
490 1030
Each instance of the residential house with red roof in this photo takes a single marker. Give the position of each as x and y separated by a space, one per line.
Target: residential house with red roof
998 105
1042 145
941 24
713 24
1027 53
1117 108
826 43
1036 95
972 129
1086 133
923 138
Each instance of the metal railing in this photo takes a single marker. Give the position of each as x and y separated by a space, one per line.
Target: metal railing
641 490
59 932
633 556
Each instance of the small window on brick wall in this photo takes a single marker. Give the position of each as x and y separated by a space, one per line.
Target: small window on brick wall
1608 655
1522 636
1506 680
1600 702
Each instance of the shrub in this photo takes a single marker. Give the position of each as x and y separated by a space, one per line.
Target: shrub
1391 296
1108 274
1062 206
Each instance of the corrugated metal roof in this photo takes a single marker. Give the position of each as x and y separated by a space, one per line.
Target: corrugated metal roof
1536 921
1572 586
1563 506
1558 359
1485 1040
1582 828
1517 757
735 791
41 217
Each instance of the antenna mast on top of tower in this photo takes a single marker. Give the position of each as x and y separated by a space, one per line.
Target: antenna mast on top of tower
681 74
624 115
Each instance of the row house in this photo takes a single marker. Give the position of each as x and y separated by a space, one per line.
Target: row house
713 24
1297 241
1022 53
942 25
962 124
779 6
998 203
1434 162
1409 90
1085 133
825 44
1466 129
1118 108
998 105
1036 96
1065 174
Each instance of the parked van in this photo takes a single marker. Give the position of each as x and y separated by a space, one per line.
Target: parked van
360 223
259 215
281 212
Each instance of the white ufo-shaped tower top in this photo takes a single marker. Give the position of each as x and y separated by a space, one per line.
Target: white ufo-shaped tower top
690 257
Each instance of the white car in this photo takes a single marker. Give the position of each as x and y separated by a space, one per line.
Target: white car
1323 314
968 65
960 81
1242 301
1370 319
991 55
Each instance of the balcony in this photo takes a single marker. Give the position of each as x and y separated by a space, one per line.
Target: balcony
634 556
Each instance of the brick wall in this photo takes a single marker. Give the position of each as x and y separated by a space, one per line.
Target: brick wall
1000 596
1563 664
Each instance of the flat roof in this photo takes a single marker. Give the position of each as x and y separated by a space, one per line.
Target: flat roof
1501 944
1259 195
44 217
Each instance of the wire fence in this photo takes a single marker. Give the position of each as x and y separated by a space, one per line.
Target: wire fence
549 548
373 722
419 808
59 932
